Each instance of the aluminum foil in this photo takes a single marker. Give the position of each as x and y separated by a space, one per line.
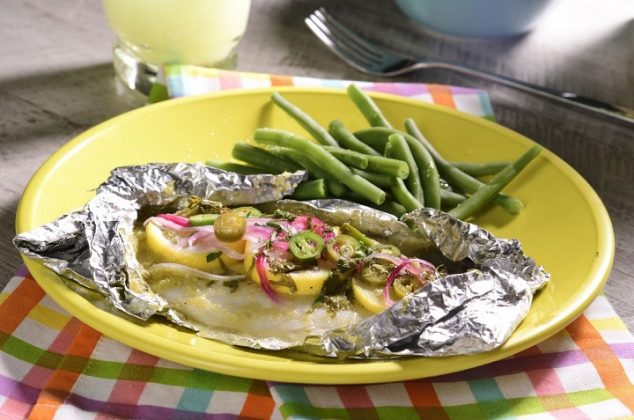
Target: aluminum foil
475 308
93 246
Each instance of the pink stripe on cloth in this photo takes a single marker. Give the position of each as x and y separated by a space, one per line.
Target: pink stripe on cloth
229 81
383 87
14 408
545 382
128 391
38 376
570 413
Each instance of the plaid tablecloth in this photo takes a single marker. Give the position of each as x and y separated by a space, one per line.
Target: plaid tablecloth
54 366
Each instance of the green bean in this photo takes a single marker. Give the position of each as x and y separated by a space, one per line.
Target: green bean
235 167
263 159
400 150
403 196
377 138
348 157
481 169
346 139
334 186
323 159
389 166
456 176
310 190
368 108
380 164
317 131
444 185
485 194
451 198
381 180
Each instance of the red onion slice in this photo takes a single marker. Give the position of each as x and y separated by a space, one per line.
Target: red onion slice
390 281
260 267
175 218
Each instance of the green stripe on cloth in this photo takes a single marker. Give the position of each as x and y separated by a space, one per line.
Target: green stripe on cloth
524 406
296 404
307 411
468 411
489 397
194 398
118 370
590 397
27 352
407 413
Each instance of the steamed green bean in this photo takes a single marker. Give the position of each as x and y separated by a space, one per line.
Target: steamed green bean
323 159
318 132
367 106
262 159
486 193
400 150
346 139
456 176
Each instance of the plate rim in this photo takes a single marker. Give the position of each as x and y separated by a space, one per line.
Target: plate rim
314 373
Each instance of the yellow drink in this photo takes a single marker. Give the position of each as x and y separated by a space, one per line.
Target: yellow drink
155 32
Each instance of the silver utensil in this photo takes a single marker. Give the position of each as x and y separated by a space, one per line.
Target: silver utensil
365 56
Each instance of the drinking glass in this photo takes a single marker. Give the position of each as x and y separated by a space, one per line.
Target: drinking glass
151 33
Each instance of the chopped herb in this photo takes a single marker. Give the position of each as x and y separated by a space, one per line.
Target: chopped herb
274 225
232 284
283 214
213 255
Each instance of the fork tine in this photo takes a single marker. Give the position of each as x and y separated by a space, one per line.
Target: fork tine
360 42
343 40
342 43
344 51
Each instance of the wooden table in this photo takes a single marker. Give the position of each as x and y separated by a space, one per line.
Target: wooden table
56 80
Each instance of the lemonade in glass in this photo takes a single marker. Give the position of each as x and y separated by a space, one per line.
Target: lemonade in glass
155 32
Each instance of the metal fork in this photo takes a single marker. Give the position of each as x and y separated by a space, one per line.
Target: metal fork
369 58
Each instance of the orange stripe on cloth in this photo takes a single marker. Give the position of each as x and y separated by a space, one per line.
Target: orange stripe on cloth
606 363
422 394
281 80
259 403
62 381
19 303
442 95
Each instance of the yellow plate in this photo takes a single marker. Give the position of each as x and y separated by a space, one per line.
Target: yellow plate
564 226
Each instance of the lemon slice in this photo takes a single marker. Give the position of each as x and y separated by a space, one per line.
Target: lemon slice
304 282
370 297
165 250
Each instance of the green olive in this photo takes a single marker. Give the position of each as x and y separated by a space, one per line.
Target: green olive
229 227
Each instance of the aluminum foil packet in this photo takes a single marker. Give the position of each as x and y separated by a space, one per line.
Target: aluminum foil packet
473 309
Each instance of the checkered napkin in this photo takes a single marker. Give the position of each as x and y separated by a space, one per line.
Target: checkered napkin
54 366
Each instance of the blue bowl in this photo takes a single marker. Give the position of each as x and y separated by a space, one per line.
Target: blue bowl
476 18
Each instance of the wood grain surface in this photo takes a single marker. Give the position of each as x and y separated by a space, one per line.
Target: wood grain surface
56 80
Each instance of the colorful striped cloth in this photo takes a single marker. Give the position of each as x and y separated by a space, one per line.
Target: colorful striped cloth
54 366
183 80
